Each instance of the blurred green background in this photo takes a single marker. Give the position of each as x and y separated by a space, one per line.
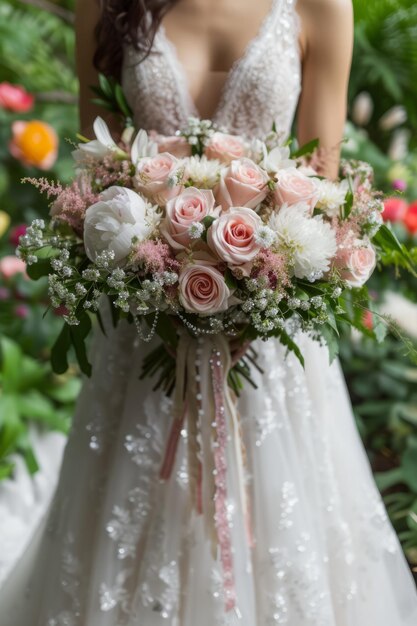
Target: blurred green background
37 54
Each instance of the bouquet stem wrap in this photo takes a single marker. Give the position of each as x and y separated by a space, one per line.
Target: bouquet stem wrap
203 401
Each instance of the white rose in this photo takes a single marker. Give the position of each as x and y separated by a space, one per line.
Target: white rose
112 222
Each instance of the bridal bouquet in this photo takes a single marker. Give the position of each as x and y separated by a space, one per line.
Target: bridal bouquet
211 233
204 239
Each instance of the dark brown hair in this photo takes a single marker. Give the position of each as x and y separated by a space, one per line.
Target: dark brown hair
134 22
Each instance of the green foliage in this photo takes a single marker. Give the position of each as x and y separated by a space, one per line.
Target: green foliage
385 57
29 392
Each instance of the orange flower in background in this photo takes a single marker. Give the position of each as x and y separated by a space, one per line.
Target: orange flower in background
410 218
15 98
34 143
4 222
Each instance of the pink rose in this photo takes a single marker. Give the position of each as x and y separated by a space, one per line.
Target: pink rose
203 289
176 145
225 147
152 178
293 187
356 263
244 184
15 98
192 205
233 237
11 265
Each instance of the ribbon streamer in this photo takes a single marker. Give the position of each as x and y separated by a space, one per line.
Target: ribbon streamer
203 400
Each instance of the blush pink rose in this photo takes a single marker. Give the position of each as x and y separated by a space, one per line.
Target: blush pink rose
233 238
356 263
203 289
176 145
225 147
11 265
243 184
15 98
152 178
293 186
192 205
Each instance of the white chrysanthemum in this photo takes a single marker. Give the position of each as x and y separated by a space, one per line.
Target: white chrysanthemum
203 173
310 242
332 196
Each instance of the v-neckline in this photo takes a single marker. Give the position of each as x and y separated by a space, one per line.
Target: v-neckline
183 78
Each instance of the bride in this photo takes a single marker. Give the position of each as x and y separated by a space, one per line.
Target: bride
119 547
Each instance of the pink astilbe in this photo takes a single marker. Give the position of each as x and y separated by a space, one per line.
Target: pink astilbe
108 171
71 204
346 230
50 188
154 257
272 265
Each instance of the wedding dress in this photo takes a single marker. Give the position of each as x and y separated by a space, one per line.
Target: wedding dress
120 547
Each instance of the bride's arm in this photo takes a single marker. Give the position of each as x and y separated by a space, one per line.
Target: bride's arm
327 42
87 13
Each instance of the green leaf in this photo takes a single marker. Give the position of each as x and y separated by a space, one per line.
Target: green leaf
11 426
308 148
6 470
60 349
25 448
105 86
11 365
331 340
122 102
409 465
387 480
39 269
230 280
78 336
291 345
347 207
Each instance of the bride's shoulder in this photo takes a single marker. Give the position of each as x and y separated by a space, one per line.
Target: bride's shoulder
331 10
324 21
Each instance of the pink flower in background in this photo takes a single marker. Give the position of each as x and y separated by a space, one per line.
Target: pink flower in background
5 294
22 311
225 147
410 218
203 289
153 178
34 143
233 237
17 232
176 145
293 187
11 265
15 98
399 185
244 184
191 206
394 209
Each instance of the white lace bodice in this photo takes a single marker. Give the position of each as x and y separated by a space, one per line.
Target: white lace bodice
261 88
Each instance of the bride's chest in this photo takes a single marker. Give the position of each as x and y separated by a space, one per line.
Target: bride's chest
261 87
